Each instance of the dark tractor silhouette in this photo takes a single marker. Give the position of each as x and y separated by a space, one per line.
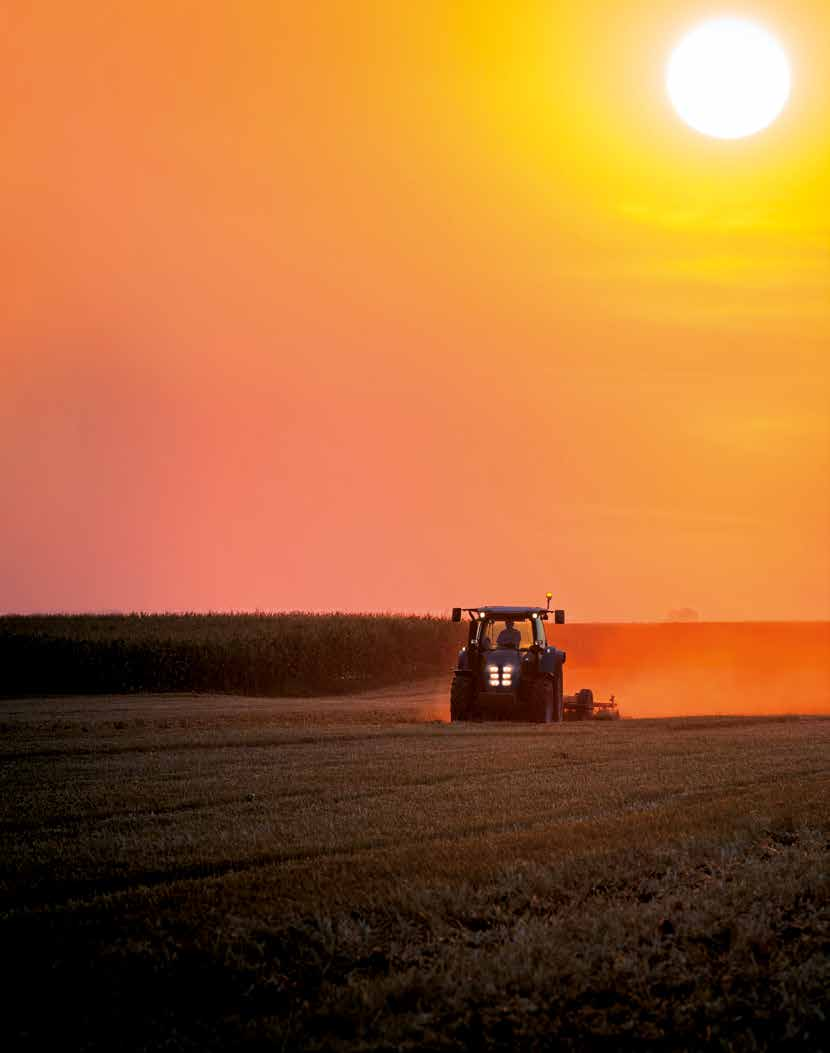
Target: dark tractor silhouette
509 671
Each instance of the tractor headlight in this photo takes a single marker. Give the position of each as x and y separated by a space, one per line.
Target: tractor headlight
500 676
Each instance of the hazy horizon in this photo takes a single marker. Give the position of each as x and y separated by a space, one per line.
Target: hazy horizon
389 612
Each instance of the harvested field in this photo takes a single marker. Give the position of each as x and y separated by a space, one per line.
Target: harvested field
207 872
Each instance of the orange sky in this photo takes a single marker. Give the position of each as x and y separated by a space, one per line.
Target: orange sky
403 305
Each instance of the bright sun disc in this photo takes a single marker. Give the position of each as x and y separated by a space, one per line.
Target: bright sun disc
728 78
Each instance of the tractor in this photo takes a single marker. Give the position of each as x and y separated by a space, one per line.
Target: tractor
508 671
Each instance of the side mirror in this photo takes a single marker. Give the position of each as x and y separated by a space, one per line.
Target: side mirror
559 617
456 614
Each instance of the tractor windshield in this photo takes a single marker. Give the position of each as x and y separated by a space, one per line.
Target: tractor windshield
505 632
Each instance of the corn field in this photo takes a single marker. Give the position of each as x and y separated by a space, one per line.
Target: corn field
254 654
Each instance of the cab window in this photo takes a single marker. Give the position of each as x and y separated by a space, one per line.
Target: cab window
511 633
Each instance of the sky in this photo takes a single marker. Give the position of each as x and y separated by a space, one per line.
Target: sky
396 307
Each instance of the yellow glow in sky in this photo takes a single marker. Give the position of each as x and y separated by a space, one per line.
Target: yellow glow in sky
267 268
729 78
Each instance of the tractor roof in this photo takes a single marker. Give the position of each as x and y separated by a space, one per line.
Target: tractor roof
518 612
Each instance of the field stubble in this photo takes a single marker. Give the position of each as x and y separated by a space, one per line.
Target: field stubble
207 872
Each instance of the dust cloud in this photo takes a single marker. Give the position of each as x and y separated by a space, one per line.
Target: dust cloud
703 669
690 669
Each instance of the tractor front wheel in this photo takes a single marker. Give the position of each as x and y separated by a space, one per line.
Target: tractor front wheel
461 698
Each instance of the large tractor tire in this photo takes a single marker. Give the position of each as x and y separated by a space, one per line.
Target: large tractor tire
558 697
541 701
461 698
546 700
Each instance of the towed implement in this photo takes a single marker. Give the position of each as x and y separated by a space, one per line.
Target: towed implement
583 706
509 671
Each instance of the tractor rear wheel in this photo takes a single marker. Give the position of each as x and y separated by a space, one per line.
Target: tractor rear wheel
542 701
558 697
461 698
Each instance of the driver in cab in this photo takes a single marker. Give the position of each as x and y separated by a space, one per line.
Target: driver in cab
509 636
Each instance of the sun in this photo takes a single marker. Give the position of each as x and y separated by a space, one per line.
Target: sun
729 78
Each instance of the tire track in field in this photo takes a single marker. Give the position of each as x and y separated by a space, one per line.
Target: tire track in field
362 734
127 816
383 732
131 816
81 892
